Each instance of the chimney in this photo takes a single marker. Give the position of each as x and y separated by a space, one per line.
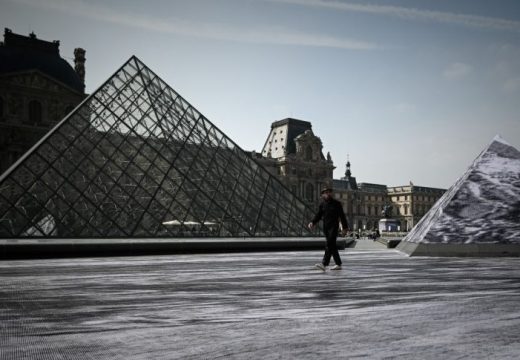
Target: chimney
79 63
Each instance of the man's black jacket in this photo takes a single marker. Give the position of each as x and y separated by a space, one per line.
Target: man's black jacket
331 211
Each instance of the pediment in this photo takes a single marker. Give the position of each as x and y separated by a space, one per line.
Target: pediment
307 137
36 79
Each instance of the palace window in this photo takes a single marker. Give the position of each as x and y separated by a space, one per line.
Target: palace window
309 192
308 153
35 112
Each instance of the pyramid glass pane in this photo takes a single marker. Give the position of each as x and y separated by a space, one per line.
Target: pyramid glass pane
137 160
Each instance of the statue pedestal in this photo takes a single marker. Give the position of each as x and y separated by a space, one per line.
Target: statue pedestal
389 225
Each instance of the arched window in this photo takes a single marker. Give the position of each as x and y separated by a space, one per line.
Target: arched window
308 153
309 192
35 112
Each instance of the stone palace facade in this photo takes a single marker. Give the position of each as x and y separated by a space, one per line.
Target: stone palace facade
294 153
37 89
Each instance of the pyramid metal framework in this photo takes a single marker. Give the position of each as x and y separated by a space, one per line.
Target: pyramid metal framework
135 159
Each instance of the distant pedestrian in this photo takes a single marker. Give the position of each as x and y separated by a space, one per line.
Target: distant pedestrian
331 212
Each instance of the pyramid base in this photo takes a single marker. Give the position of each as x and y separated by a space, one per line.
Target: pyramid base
62 248
459 250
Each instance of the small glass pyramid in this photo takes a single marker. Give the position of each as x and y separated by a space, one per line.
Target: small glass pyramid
137 160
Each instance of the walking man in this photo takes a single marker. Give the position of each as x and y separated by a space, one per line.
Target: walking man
331 211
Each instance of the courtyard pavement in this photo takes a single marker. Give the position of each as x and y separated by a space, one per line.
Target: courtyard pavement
265 305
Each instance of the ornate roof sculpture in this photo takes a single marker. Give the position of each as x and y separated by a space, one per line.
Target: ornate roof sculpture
20 54
479 215
135 159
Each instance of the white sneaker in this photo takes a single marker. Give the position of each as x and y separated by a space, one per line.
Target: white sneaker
320 266
336 267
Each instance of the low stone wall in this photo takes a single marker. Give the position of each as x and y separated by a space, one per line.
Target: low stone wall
460 250
390 242
47 248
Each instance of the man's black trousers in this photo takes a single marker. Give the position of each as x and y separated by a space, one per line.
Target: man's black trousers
331 248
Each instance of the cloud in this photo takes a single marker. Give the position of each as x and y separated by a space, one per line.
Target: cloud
414 14
216 31
457 71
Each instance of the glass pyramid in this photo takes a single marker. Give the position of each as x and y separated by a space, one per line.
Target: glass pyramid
137 160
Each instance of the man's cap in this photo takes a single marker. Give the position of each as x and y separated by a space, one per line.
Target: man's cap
326 189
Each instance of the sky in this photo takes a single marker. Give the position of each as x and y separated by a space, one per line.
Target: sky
407 90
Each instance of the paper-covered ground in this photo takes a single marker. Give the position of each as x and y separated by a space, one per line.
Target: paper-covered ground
260 306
